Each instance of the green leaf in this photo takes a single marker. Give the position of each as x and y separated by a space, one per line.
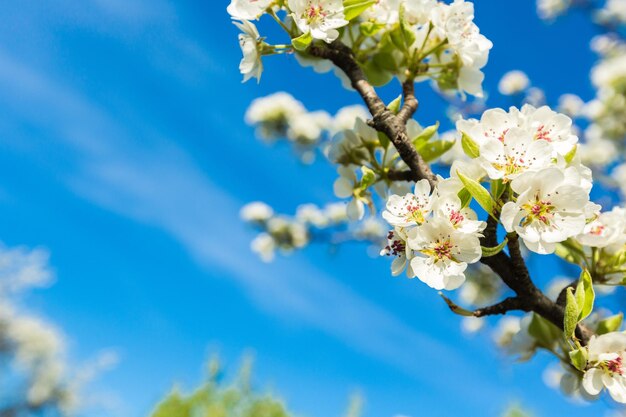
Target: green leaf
544 332
370 28
585 295
480 194
383 139
302 42
470 147
465 197
571 154
376 75
570 251
368 177
425 135
433 150
578 358
394 106
455 308
610 324
570 320
353 8
497 188
487 252
408 35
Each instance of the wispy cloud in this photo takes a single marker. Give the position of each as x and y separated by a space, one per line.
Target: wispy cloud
159 184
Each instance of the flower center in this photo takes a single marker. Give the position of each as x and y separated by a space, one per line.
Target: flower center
540 210
456 217
542 133
597 230
442 249
314 13
614 366
414 211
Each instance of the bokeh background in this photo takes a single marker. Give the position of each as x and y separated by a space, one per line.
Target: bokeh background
124 153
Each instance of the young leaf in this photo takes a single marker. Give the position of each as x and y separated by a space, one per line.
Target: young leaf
394 106
368 177
383 139
578 358
497 188
370 28
433 150
302 42
585 295
480 194
610 324
544 332
571 154
570 320
425 135
465 197
353 8
455 308
470 147
487 252
408 34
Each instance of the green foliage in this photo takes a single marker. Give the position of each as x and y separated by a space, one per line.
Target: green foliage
570 320
546 334
480 194
214 398
487 252
578 358
585 296
610 324
354 8
470 147
368 177
394 106
455 308
302 42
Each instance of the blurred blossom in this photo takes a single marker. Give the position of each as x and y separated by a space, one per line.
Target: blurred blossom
264 246
571 105
22 268
619 175
346 116
535 97
471 325
597 151
513 82
256 211
550 9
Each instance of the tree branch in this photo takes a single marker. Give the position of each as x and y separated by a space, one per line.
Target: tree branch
511 269
504 306
410 101
383 119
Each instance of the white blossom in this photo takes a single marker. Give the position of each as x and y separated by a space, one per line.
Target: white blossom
606 354
256 211
550 9
310 213
346 117
273 113
251 47
247 9
597 151
411 209
606 230
513 82
571 105
320 18
307 128
619 175
398 248
549 209
442 253
264 245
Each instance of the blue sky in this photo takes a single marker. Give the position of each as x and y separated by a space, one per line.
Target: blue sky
123 151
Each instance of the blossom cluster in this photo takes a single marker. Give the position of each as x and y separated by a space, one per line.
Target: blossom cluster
434 236
421 39
280 115
328 224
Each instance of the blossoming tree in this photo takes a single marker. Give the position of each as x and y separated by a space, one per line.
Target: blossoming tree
464 207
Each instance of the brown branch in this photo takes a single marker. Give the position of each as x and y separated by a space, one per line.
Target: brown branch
383 119
504 306
400 175
410 101
511 269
